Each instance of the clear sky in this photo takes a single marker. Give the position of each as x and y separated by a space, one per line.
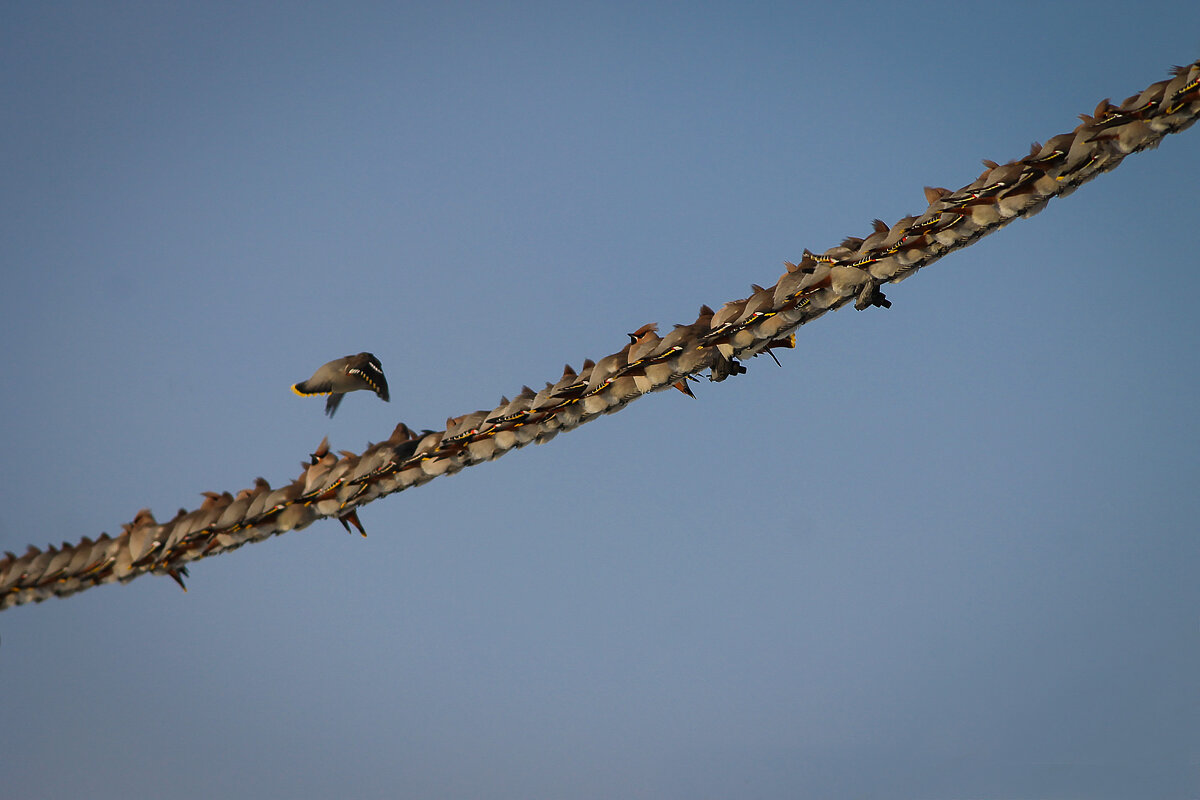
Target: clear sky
949 550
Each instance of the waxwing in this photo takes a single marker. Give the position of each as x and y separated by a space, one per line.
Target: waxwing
875 240
723 368
347 374
57 567
103 554
464 427
281 498
38 560
1082 155
1178 88
142 535
316 475
789 284
868 296
258 500
569 378
643 341
80 559
575 388
235 512
606 369
1053 152
371 460
510 412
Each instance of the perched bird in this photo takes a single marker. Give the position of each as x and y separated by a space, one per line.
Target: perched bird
347 374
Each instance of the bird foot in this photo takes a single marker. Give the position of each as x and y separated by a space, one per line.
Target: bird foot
871 296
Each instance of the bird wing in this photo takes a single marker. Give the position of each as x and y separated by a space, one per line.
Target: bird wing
373 377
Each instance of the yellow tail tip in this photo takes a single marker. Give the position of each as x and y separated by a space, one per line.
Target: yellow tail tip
296 389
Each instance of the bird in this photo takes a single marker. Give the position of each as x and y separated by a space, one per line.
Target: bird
346 374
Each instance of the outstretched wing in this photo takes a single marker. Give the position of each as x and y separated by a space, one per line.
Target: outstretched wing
371 372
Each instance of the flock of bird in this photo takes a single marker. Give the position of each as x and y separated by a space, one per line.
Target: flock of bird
336 485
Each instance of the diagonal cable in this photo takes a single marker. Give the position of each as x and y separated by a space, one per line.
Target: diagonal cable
717 341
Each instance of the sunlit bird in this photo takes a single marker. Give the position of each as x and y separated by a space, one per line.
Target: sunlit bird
342 375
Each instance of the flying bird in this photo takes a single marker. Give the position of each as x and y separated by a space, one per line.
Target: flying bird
346 374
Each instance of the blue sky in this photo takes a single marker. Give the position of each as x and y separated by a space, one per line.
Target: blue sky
948 550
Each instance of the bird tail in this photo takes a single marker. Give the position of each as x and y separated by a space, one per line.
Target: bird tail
303 390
